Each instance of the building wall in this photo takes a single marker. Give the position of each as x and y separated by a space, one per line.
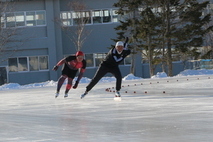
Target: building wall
52 41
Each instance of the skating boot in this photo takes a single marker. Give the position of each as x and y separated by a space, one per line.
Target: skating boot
56 94
65 95
117 94
83 95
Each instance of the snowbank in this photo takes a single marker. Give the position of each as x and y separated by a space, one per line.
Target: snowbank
104 79
195 72
131 77
160 75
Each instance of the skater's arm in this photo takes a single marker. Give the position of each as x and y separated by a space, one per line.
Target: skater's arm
82 70
126 53
80 75
61 62
55 68
126 43
65 60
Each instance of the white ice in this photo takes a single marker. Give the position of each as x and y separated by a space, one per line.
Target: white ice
160 109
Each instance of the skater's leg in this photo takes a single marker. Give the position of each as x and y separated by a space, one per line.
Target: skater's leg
116 72
60 82
99 74
69 85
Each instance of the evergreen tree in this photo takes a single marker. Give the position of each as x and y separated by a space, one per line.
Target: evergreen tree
158 26
128 10
192 29
147 36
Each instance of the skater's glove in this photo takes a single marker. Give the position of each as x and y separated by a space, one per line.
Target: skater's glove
76 85
126 41
55 68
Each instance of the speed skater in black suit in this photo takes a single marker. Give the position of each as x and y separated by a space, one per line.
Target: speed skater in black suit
111 65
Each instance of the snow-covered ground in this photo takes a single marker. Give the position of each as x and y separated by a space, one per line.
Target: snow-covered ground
106 79
161 108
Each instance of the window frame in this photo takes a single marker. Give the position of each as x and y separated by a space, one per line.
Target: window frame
103 54
28 67
11 20
70 20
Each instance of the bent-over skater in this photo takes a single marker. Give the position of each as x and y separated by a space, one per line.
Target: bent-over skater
71 65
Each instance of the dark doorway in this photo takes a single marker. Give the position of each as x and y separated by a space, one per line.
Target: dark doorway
3 75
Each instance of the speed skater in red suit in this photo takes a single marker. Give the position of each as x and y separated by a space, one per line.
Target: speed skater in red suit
71 65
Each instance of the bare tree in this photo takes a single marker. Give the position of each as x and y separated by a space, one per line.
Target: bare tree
7 35
80 17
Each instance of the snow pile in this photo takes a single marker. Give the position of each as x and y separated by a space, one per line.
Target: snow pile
160 75
84 80
33 85
104 79
10 86
107 79
42 84
131 77
195 72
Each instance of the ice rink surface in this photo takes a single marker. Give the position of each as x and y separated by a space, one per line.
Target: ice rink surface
151 110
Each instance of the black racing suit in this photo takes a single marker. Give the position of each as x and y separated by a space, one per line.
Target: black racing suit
110 65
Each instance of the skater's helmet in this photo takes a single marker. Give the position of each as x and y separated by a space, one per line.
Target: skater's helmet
79 53
119 43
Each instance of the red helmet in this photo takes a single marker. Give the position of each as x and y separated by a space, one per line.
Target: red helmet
79 53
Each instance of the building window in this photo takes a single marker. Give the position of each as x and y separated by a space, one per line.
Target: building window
96 16
2 21
18 64
89 59
89 17
30 18
114 16
23 19
34 63
101 16
93 60
43 62
106 16
13 64
86 17
40 18
99 58
10 19
83 17
66 18
22 64
20 21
